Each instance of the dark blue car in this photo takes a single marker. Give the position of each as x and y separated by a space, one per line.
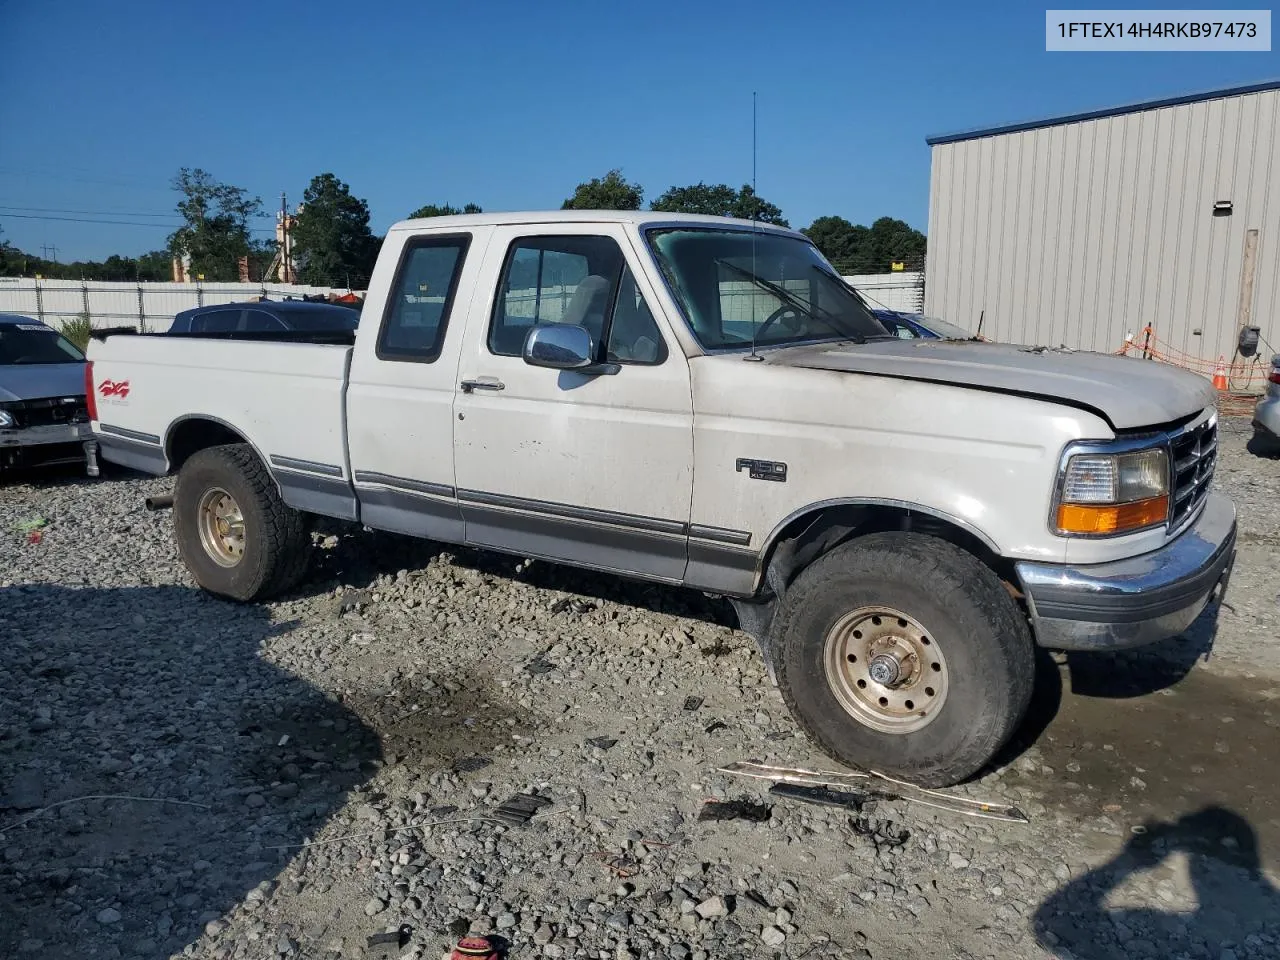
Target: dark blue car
267 316
913 326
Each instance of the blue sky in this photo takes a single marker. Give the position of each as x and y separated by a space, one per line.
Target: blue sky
510 104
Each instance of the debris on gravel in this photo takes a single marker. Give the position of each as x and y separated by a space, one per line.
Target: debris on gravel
333 765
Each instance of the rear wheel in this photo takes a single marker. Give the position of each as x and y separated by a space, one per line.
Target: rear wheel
902 654
235 535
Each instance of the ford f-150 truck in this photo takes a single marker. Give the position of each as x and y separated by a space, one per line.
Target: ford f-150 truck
703 402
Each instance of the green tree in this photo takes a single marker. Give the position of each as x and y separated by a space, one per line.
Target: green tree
156 266
332 242
855 248
839 240
893 240
609 192
443 210
216 232
714 201
719 200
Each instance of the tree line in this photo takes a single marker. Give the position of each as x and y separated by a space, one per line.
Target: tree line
333 245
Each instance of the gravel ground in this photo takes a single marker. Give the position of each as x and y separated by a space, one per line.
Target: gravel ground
292 779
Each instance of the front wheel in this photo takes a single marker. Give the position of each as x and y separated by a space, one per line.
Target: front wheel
236 536
902 654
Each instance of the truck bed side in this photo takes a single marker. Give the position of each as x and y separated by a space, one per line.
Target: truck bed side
156 394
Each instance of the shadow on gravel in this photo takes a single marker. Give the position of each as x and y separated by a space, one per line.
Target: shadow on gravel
362 556
1237 911
156 693
1135 673
1123 675
66 475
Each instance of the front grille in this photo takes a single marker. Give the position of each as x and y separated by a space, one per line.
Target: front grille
47 412
1195 454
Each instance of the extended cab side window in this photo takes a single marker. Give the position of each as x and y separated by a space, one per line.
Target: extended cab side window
578 280
417 313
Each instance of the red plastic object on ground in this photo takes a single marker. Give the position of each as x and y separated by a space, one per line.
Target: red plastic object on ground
474 948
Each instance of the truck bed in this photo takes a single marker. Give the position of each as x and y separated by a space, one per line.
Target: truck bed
283 392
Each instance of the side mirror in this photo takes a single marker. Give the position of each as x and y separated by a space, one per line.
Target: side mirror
560 346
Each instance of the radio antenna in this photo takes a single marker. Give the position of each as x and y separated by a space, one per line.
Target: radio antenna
753 146
754 227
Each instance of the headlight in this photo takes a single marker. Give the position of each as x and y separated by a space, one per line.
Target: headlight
6 419
1102 494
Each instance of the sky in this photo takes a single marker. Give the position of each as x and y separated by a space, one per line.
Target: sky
511 104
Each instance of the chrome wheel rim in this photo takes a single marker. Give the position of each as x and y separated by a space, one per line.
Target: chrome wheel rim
221 527
885 669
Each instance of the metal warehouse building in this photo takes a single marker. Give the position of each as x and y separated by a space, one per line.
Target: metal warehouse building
1078 230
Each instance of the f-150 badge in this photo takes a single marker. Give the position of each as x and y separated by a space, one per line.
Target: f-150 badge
764 469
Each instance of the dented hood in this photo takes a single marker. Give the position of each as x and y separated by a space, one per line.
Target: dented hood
1126 391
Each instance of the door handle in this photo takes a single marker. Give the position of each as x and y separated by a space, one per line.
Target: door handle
482 383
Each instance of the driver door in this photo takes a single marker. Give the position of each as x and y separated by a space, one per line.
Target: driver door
594 470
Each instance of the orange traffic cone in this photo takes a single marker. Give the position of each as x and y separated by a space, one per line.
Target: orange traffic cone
1220 374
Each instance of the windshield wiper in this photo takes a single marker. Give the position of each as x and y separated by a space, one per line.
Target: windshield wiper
857 295
789 298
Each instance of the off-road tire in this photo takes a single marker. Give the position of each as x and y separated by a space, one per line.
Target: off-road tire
987 643
277 544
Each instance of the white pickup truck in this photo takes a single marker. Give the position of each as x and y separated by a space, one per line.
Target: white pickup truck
704 402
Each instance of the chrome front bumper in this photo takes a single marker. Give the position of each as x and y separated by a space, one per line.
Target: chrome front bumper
1133 602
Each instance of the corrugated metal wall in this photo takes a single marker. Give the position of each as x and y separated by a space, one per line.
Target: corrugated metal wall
1081 233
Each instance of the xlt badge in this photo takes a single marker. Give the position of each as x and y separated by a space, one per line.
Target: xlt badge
764 469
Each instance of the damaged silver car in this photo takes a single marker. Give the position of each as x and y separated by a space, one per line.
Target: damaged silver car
43 415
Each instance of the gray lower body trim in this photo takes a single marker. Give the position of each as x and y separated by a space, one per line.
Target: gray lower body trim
310 493
719 534
134 454
137 435
315 487
598 546
720 568
547 508
669 551
306 466
400 483
410 507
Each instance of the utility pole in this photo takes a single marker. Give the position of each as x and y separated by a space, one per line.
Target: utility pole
49 252
284 239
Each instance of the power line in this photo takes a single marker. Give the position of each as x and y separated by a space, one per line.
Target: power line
121 223
110 213
96 213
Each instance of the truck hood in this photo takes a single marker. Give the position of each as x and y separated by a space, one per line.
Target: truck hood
1126 391
36 381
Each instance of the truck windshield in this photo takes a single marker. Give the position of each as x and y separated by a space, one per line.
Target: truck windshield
734 285
34 343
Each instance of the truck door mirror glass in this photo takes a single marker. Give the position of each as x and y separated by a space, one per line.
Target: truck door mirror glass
560 346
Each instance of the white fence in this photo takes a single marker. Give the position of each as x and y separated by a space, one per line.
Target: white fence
152 306
898 291
147 306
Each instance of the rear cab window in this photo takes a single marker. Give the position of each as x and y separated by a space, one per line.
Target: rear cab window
421 299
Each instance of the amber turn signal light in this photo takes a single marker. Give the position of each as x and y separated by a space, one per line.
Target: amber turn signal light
1113 518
